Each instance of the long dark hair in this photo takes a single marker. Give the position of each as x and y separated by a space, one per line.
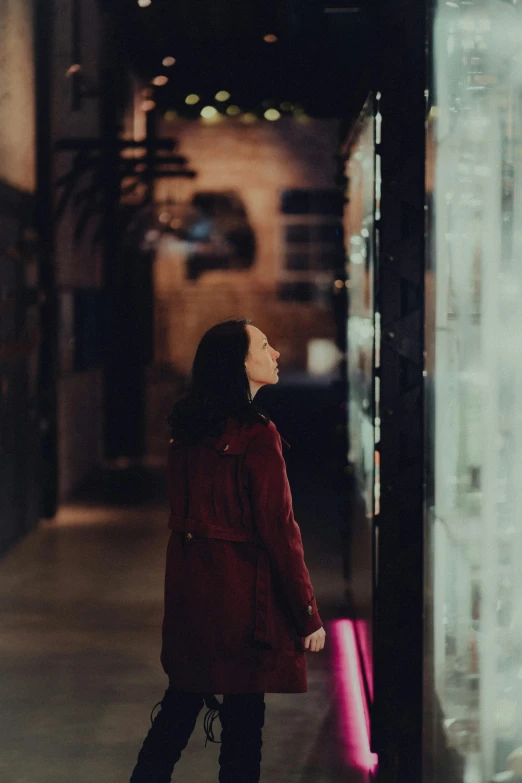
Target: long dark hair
218 388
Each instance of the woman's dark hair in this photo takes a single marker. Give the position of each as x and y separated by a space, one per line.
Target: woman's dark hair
218 388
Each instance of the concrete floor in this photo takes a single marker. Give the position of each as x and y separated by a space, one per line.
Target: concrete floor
80 613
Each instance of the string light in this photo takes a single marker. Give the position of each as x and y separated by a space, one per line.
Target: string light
144 3
171 115
270 38
222 95
286 106
168 61
233 110
208 112
148 105
272 115
159 81
192 99
248 118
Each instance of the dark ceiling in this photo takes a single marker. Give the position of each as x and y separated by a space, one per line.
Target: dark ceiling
320 59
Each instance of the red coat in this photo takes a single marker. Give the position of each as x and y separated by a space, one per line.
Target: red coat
238 596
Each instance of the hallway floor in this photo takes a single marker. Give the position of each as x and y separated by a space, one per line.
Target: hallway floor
81 611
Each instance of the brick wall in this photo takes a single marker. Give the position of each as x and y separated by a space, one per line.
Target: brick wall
17 129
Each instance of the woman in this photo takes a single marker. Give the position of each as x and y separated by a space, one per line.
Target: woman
239 606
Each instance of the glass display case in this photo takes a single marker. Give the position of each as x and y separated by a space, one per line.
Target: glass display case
473 633
359 238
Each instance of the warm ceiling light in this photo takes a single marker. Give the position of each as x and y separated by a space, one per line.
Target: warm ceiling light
159 81
271 114
233 111
222 95
168 61
144 3
148 105
73 69
192 99
208 112
270 38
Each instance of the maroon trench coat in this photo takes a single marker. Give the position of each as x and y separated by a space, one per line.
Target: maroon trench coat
238 596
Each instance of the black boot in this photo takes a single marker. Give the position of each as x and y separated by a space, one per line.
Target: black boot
242 719
169 735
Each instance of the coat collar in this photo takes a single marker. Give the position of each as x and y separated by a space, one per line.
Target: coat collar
234 440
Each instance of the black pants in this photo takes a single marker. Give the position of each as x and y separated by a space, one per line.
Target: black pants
242 719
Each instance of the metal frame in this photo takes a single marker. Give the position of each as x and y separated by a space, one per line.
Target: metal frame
400 78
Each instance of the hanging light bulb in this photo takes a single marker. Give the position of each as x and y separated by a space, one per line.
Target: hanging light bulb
208 112
192 99
75 68
233 111
222 95
144 3
148 105
272 115
159 81
168 61
270 38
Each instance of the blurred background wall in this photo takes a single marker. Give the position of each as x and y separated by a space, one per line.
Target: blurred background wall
75 115
285 287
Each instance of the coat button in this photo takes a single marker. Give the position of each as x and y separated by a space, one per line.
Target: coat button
188 536
310 610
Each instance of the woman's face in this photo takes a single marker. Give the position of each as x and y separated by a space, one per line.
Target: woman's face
261 361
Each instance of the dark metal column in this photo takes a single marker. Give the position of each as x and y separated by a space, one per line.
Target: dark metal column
400 77
47 413
110 155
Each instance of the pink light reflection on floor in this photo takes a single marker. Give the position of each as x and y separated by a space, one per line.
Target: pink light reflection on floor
352 701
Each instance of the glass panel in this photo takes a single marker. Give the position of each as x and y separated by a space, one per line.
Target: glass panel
473 642
359 237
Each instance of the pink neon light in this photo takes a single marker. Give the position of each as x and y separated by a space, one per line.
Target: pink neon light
352 700
362 632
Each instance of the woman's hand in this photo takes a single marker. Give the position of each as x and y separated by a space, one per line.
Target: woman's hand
315 641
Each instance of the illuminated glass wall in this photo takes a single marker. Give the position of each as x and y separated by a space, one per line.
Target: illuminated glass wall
359 238
473 632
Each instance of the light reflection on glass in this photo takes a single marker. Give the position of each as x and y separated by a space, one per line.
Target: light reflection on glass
474 395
